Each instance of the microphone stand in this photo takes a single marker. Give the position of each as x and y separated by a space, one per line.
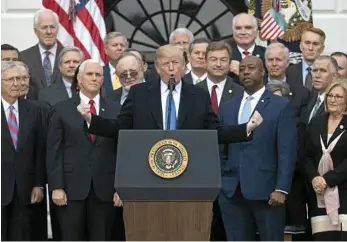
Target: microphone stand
171 84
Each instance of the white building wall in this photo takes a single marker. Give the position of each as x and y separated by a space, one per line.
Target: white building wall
17 22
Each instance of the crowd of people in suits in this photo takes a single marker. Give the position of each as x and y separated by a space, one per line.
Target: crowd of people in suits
281 131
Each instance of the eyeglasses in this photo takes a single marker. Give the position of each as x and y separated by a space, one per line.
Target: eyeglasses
336 97
129 74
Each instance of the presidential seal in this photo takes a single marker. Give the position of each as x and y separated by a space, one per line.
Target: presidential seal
168 158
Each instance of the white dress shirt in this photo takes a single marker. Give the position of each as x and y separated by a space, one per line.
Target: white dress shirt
124 96
189 68
219 88
195 77
51 57
68 85
6 107
284 79
250 50
96 99
256 97
176 94
112 72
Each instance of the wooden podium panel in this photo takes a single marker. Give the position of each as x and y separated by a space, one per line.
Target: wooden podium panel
168 220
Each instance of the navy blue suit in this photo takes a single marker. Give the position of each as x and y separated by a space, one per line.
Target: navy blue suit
257 168
107 84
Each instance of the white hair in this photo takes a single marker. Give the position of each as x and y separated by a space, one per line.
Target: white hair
42 11
181 31
254 20
68 49
91 61
7 65
278 45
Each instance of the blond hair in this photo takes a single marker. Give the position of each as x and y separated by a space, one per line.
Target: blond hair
337 82
168 51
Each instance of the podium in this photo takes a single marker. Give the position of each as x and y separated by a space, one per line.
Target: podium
167 181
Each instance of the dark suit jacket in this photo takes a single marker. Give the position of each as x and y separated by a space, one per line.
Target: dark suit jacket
24 167
230 90
73 161
313 152
187 78
54 93
107 84
258 51
143 110
32 58
299 98
310 105
116 95
294 75
267 162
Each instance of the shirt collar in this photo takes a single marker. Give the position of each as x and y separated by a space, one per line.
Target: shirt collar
250 50
164 87
195 77
6 105
86 99
112 69
210 84
67 84
52 50
283 80
305 65
257 95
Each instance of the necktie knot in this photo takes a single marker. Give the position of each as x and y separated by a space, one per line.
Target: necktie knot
91 102
309 69
11 108
214 87
47 52
249 98
246 53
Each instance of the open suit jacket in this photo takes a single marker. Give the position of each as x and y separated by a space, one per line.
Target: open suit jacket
32 58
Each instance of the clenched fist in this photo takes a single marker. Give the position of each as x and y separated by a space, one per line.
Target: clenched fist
254 122
84 110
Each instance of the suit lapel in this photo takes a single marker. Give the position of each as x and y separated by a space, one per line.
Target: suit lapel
236 53
4 127
263 101
186 102
154 99
188 78
299 74
339 129
228 92
56 72
38 62
323 126
61 89
107 84
23 113
103 111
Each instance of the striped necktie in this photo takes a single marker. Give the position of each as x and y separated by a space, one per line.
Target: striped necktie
13 126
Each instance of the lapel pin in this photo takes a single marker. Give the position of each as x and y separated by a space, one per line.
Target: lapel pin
341 126
262 100
290 94
102 109
230 91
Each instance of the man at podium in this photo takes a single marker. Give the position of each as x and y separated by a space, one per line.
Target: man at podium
147 106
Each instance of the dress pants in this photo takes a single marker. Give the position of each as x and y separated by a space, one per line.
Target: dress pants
91 218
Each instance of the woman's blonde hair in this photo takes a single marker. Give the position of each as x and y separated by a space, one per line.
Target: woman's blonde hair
337 82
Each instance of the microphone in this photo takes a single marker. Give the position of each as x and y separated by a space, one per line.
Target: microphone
171 85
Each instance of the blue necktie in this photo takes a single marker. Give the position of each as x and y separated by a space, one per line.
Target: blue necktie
246 111
173 113
47 66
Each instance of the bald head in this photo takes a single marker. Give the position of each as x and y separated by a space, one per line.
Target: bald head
252 74
129 70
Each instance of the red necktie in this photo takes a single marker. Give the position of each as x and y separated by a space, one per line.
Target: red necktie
214 100
93 111
246 53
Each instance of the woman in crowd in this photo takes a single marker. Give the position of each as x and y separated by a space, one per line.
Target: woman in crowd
325 165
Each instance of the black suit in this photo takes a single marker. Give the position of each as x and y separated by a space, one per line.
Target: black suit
294 75
258 51
21 170
317 130
299 98
32 58
187 78
230 90
143 110
116 95
84 169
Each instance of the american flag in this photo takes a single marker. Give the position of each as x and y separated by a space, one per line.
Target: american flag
273 25
81 24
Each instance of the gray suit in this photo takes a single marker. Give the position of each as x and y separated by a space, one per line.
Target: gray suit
32 58
55 93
